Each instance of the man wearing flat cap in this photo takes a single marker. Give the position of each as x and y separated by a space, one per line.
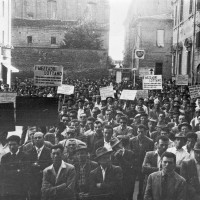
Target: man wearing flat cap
181 154
106 180
14 171
190 170
83 167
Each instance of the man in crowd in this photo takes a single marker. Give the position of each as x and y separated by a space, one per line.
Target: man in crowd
106 180
166 184
140 145
14 171
123 130
40 158
59 178
190 170
83 167
178 150
128 162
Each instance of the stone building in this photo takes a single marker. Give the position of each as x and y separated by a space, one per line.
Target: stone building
186 39
148 27
39 27
5 42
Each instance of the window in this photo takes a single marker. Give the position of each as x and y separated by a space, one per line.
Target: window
53 40
175 18
174 63
181 11
191 6
198 40
29 39
160 38
51 9
159 69
198 4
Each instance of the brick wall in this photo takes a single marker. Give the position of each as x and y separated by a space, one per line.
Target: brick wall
76 63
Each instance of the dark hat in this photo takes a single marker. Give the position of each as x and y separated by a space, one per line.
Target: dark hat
197 146
109 98
184 124
115 141
102 151
180 135
15 138
81 146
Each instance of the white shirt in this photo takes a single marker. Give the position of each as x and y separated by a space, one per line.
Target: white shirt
181 154
107 145
103 172
158 159
80 111
191 154
98 105
62 166
144 107
40 151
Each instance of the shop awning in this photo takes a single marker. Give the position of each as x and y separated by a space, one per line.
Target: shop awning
10 67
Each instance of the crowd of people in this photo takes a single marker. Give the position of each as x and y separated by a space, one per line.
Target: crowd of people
98 149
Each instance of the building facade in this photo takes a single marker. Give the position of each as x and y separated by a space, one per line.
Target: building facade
186 39
148 27
40 26
5 42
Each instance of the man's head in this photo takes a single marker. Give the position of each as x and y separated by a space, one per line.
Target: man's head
38 139
57 154
72 115
141 130
180 140
123 122
107 132
95 112
104 156
65 119
109 115
31 131
90 123
162 143
191 140
168 162
165 131
75 124
13 143
81 153
83 118
98 127
140 101
181 119
143 118
64 108
71 147
157 104
161 117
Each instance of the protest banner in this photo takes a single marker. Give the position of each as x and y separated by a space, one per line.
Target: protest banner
128 95
142 94
182 80
194 91
6 97
106 92
65 89
48 75
152 82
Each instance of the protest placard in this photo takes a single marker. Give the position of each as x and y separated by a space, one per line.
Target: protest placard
142 94
194 91
48 75
182 80
106 92
65 89
152 82
128 95
6 97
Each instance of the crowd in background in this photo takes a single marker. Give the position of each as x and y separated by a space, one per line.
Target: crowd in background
98 149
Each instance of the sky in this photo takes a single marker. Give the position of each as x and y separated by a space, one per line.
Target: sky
119 9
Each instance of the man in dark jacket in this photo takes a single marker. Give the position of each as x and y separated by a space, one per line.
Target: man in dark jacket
83 167
14 168
106 180
128 162
40 158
